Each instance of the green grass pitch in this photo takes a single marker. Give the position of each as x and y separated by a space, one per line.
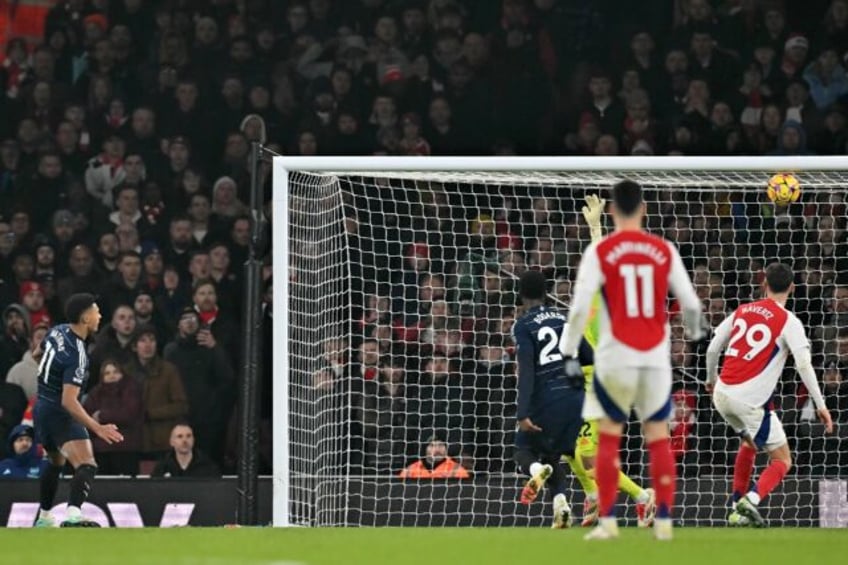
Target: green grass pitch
413 546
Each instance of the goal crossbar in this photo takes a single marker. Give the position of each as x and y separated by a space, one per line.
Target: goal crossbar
637 163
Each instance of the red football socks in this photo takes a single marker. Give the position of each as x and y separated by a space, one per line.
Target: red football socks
606 473
742 470
663 475
771 477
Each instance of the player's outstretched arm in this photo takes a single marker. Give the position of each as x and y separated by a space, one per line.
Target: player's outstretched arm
717 345
70 402
799 346
593 211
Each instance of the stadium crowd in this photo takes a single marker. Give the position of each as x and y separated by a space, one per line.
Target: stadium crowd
125 128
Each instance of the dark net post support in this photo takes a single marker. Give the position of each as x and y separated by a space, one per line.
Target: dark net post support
248 468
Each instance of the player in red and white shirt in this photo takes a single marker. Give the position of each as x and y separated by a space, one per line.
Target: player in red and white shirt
634 272
756 341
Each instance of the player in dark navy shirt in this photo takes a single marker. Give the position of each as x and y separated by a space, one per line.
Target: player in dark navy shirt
550 397
61 423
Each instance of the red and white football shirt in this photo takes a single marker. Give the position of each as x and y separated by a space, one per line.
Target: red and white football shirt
759 338
634 271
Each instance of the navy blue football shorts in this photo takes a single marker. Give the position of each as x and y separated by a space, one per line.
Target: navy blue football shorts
54 426
560 428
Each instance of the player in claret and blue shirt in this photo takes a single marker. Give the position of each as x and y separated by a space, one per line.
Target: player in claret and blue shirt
61 423
550 397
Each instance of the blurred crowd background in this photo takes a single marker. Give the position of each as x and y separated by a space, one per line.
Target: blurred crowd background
125 129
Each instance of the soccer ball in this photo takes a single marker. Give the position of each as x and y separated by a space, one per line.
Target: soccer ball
783 189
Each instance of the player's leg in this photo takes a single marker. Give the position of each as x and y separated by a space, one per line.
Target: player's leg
606 475
577 461
743 468
568 426
735 415
587 449
780 461
583 464
558 485
46 426
48 485
771 437
528 462
610 404
653 406
80 454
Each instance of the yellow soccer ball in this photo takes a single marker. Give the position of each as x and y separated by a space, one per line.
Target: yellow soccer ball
783 189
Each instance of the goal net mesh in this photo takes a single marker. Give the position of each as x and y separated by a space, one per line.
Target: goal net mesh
402 296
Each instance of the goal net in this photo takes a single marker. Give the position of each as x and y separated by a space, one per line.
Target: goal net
395 292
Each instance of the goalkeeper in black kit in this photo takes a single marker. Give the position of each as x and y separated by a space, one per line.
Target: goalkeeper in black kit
550 397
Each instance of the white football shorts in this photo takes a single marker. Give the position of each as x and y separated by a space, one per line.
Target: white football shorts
617 391
758 423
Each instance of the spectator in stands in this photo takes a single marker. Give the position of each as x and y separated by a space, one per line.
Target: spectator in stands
225 202
24 461
128 237
25 372
146 314
184 460
826 79
82 276
603 108
200 213
127 210
117 399
198 265
227 282
107 253
215 325
208 379
152 266
13 404
105 172
32 298
368 360
125 284
14 342
176 253
113 342
163 395
436 464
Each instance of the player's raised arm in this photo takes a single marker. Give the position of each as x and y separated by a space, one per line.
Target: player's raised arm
589 280
798 344
717 345
683 290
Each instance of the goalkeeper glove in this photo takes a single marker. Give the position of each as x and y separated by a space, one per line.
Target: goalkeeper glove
592 213
574 372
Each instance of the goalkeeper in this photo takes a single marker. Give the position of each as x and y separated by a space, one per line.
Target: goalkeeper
583 462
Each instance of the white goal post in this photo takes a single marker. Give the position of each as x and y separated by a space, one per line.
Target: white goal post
318 202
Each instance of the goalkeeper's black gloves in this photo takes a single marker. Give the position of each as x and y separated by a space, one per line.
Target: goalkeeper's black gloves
574 372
